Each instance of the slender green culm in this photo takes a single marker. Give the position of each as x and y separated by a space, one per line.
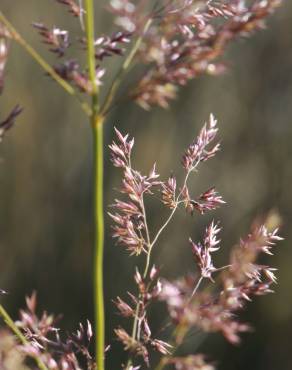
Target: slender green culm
98 241
89 8
97 130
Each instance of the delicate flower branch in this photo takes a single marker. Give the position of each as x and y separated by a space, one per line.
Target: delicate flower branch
187 40
187 305
131 229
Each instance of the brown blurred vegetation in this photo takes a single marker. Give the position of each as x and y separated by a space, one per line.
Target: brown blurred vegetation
45 180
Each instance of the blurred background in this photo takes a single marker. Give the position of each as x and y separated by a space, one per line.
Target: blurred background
45 181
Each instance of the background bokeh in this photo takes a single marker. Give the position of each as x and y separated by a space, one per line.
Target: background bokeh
45 181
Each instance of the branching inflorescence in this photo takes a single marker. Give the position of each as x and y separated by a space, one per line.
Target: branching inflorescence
44 341
176 41
188 305
173 42
186 39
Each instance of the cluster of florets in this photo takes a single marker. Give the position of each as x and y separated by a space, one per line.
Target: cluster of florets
188 305
57 39
185 39
202 252
176 41
70 69
239 281
74 8
130 218
148 292
130 223
43 340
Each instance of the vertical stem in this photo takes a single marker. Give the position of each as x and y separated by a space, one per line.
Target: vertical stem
97 131
89 7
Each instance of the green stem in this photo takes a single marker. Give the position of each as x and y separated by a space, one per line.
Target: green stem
89 7
98 242
97 131
36 56
10 323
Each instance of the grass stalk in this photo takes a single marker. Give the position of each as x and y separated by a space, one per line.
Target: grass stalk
97 132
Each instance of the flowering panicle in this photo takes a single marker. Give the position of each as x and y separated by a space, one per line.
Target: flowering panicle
44 340
243 259
178 41
202 252
168 192
188 306
207 201
199 150
187 38
121 151
107 46
70 71
143 341
175 41
141 348
240 281
131 231
57 39
73 7
130 222
132 345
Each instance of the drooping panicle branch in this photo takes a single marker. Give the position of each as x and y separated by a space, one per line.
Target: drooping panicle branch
188 39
